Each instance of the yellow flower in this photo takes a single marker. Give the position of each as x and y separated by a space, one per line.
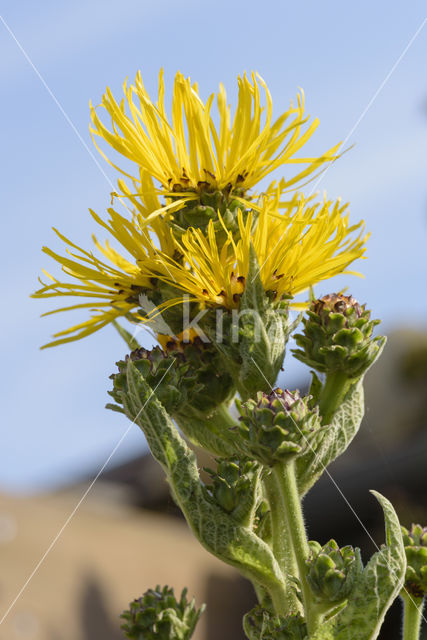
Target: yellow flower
192 158
295 250
190 154
114 286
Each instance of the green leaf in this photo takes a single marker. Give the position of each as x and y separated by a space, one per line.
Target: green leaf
329 443
114 407
254 295
315 388
217 532
263 336
374 591
131 342
205 432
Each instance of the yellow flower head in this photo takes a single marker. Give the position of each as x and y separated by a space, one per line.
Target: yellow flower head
171 254
113 286
295 250
190 153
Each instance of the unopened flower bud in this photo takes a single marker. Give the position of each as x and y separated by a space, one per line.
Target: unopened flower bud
233 484
415 541
260 624
158 615
275 427
338 336
182 375
331 571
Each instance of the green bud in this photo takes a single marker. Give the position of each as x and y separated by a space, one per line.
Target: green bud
157 615
261 624
185 375
234 487
275 427
415 541
338 337
331 571
210 205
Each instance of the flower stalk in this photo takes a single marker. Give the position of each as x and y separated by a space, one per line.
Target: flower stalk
286 481
336 386
282 545
412 617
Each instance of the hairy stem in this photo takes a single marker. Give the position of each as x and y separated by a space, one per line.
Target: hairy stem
285 475
332 395
282 543
412 617
222 417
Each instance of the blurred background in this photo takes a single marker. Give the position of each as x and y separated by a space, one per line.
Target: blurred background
362 67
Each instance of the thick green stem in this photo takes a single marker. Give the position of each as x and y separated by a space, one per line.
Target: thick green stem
332 395
261 593
285 475
282 544
412 617
222 417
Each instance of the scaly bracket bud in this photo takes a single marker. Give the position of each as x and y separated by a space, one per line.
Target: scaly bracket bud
275 427
331 571
415 541
234 488
185 375
338 337
260 624
158 615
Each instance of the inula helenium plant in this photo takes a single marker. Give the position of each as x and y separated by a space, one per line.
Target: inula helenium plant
211 264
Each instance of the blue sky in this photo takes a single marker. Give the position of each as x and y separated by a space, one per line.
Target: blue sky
54 426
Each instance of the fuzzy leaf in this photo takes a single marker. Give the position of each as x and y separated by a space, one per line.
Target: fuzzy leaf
263 335
131 342
217 532
375 590
329 443
315 387
254 295
204 432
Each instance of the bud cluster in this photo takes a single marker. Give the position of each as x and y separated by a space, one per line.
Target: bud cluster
260 624
232 482
338 336
185 374
274 427
158 615
331 571
415 541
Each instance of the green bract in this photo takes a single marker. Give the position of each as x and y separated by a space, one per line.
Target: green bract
337 337
210 206
276 426
252 342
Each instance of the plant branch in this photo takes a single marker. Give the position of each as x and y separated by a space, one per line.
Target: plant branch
412 617
285 475
332 395
282 544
